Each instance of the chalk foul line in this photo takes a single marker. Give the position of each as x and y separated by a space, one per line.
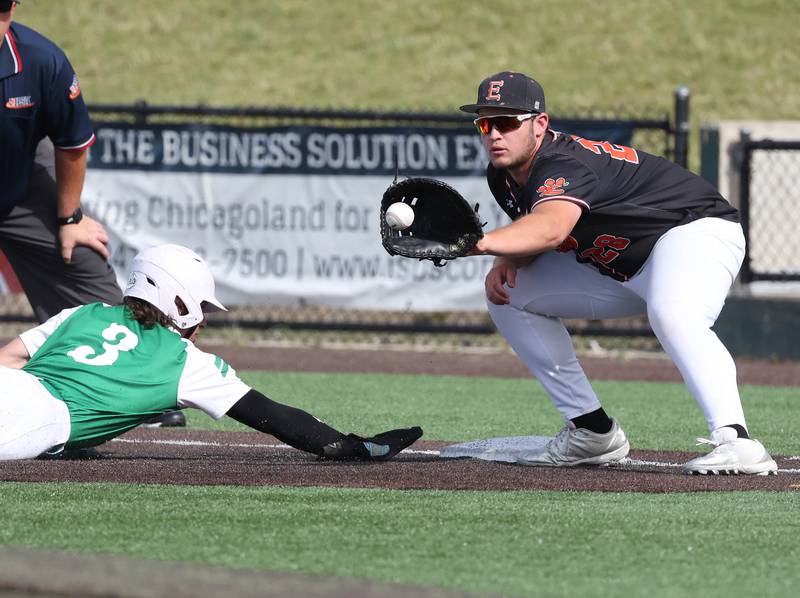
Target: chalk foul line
626 463
279 446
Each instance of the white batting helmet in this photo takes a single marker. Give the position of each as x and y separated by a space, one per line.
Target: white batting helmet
160 274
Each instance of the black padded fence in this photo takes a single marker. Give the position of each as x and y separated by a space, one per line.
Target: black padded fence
770 210
653 131
650 131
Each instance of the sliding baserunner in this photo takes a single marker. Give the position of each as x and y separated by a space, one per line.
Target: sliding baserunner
93 372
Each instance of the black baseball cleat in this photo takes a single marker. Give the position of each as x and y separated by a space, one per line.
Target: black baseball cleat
386 445
169 419
74 454
380 447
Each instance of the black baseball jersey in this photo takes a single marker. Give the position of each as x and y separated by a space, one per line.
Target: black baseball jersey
629 198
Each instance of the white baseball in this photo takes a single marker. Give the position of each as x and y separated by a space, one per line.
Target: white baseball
399 215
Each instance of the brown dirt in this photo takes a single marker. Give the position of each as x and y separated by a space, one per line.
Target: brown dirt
103 575
198 457
141 456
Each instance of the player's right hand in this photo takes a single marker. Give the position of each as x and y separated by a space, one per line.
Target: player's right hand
500 278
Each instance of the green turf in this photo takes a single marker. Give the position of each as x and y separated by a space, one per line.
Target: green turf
737 56
654 415
519 543
537 543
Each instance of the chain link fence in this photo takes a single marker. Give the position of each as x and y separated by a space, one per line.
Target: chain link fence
652 131
770 200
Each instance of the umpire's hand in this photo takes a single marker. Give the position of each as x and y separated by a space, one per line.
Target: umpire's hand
87 232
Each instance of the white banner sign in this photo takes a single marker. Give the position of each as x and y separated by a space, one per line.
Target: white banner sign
288 217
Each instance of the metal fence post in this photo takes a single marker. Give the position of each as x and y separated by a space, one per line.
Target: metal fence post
682 126
140 112
743 163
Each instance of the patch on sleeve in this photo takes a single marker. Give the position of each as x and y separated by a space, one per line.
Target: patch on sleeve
19 102
75 88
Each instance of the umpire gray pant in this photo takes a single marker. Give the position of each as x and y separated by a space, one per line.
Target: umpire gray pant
29 238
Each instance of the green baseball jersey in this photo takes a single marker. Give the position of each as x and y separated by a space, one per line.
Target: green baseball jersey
113 373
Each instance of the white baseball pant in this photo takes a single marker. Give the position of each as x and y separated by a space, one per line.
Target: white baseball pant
32 420
681 287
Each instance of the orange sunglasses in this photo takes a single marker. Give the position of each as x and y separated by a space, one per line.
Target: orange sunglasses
502 122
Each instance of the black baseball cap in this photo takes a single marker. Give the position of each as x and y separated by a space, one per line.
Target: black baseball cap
509 90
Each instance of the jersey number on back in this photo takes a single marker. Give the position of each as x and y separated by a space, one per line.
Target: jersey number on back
617 152
119 338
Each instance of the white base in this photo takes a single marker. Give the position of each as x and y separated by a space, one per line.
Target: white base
495 449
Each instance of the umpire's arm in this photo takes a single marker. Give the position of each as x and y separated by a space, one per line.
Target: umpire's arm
70 174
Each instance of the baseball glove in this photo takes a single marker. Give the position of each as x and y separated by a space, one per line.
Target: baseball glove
445 226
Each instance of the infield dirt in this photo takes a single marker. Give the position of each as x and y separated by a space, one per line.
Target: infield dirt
186 456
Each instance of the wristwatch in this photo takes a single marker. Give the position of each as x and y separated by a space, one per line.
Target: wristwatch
73 218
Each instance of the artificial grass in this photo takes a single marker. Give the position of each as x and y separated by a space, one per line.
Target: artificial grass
655 415
516 543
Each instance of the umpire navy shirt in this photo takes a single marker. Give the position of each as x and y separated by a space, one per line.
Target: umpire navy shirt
40 98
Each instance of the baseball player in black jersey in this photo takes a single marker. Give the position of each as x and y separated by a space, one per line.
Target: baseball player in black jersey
606 231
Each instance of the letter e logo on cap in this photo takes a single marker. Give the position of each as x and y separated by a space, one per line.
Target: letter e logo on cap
494 90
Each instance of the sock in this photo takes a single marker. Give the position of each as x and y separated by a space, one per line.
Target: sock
596 421
740 430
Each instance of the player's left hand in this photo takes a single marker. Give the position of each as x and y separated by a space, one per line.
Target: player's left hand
88 232
481 247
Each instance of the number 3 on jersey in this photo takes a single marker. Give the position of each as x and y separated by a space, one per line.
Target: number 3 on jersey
111 349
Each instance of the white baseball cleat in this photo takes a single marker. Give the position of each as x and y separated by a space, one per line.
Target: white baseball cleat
579 446
731 456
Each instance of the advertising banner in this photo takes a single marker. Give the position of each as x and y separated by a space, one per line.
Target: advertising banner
288 215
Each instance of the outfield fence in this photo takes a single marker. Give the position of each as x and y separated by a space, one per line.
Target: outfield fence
651 131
